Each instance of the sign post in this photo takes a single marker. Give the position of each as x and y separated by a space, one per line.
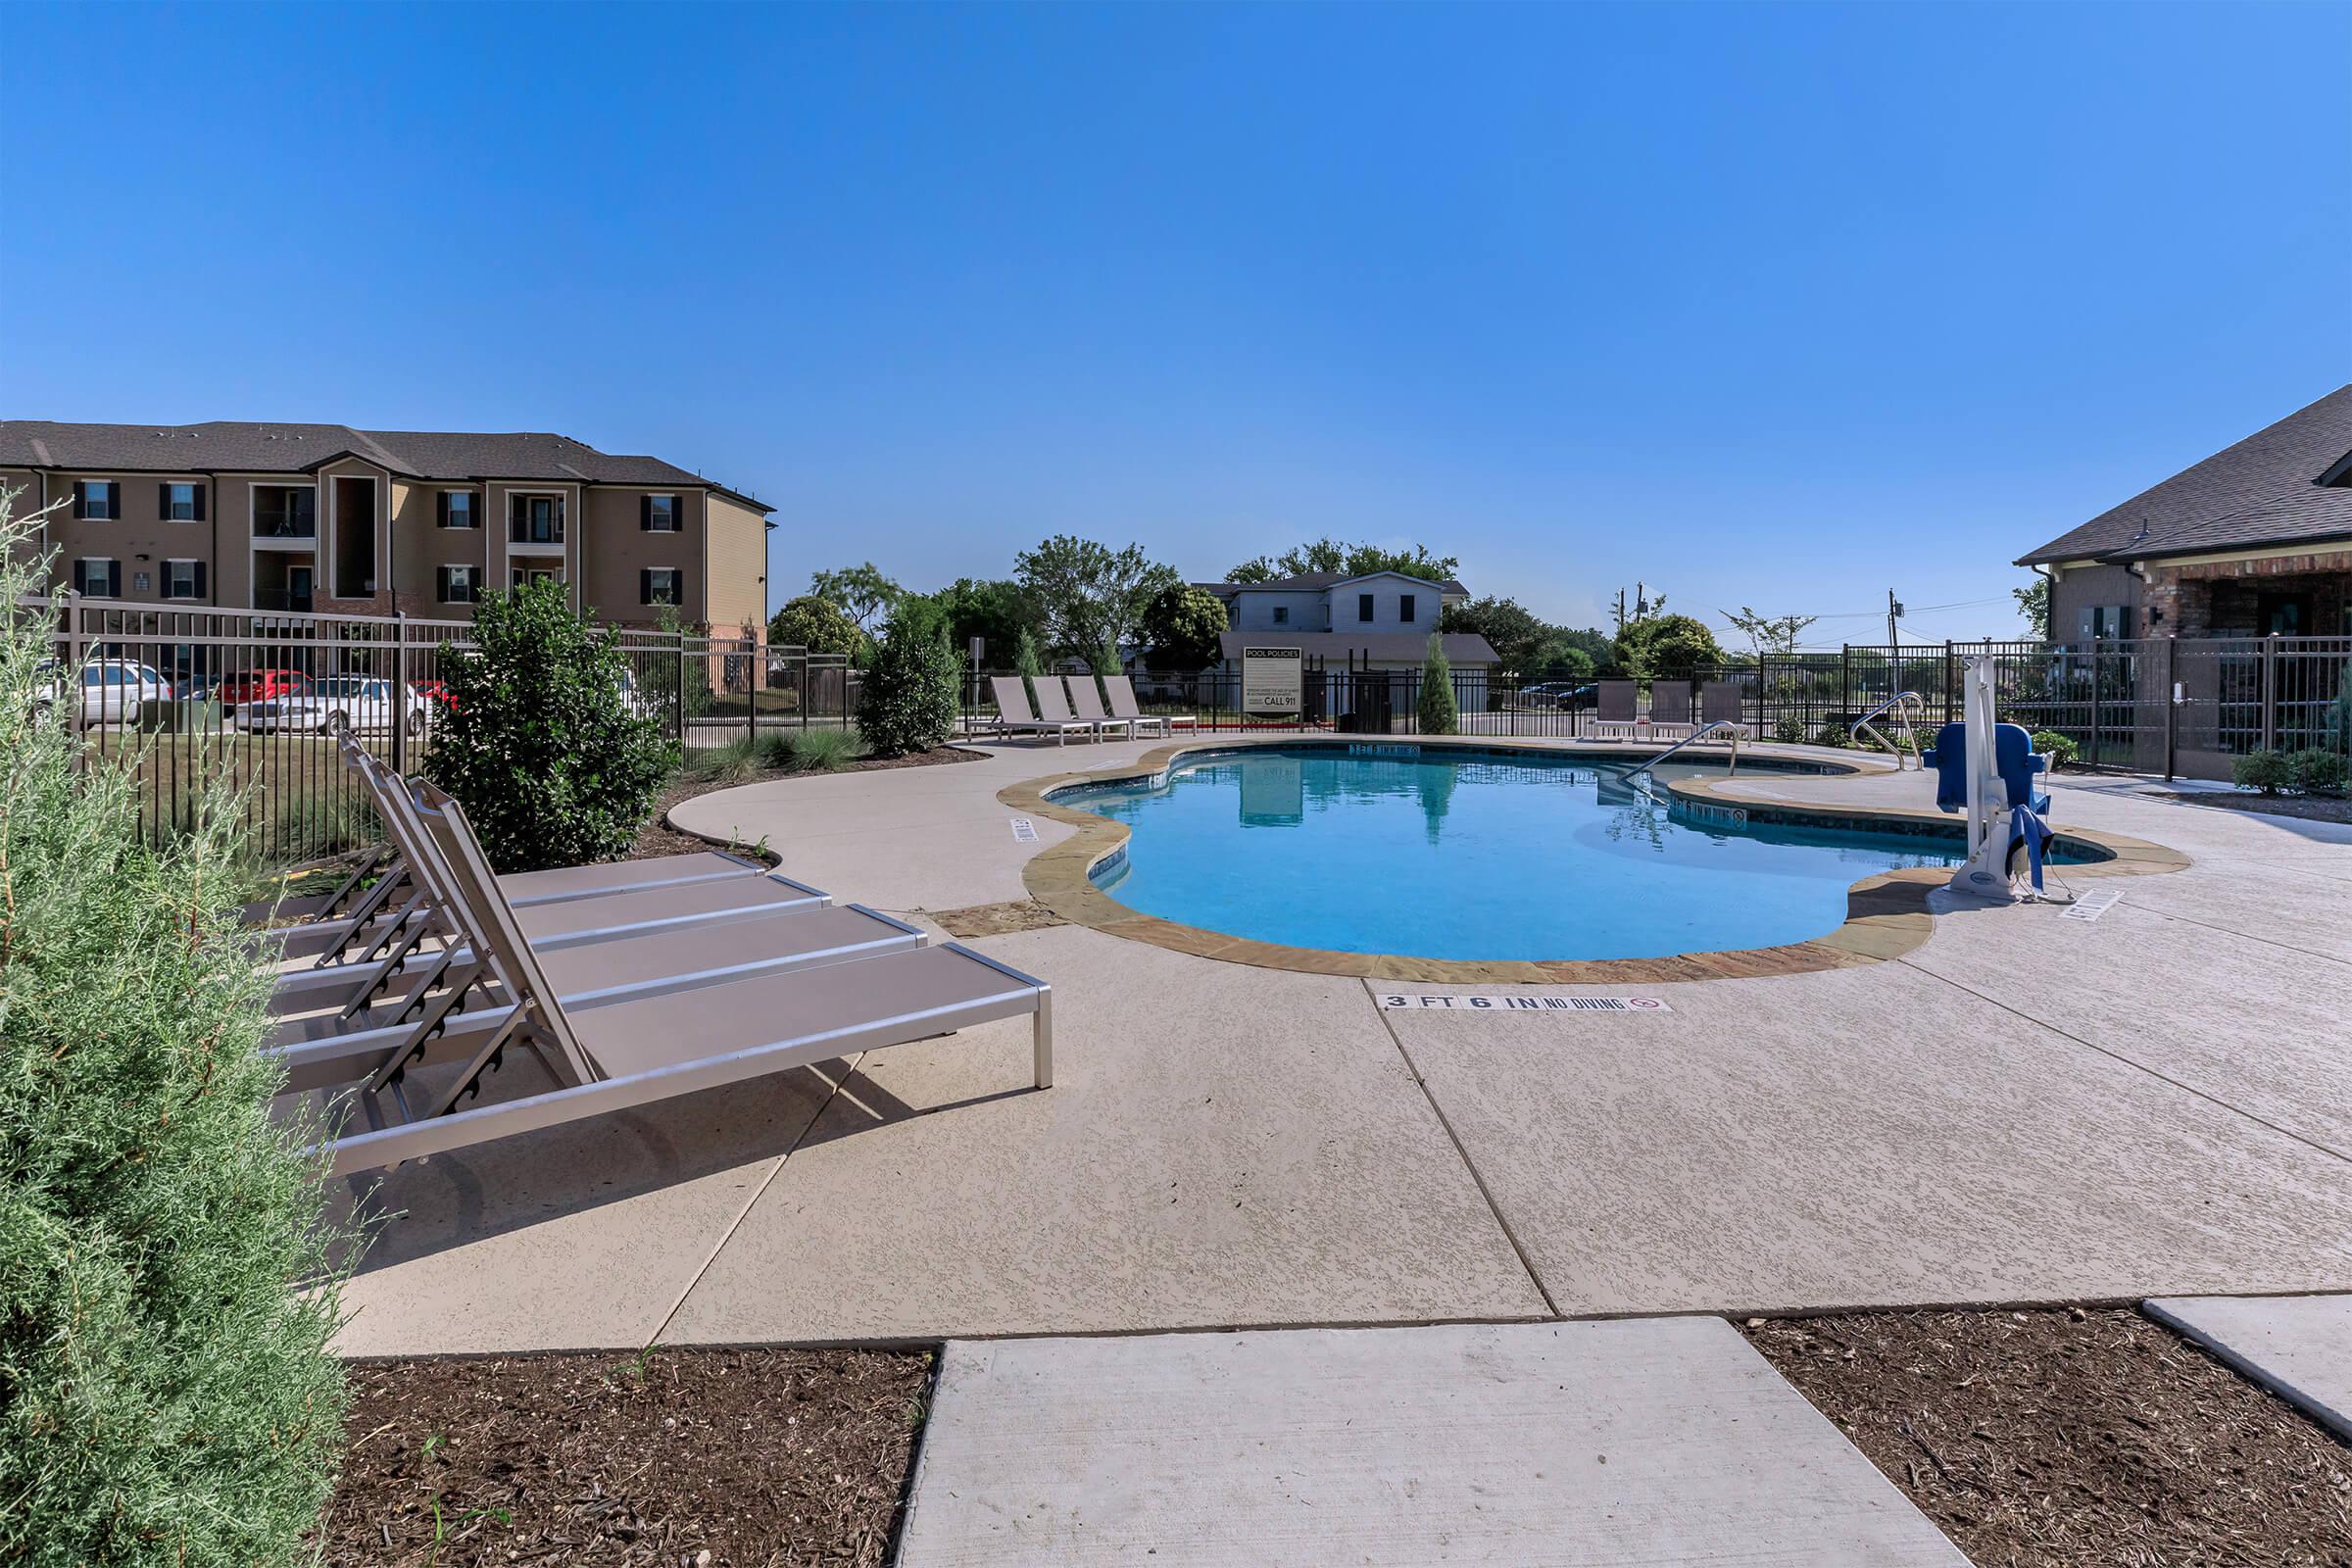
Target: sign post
1273 683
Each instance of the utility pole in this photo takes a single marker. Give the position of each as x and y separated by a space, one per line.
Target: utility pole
1619 611
1894 612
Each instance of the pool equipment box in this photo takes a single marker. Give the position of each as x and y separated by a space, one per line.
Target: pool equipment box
1273 684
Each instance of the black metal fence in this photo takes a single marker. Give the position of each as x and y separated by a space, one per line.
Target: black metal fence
2156 705
188 696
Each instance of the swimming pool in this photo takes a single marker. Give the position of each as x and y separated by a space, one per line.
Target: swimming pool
1442 852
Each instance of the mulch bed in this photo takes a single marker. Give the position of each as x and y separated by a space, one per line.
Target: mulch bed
701 1458
658 838
2073 1437
2309 808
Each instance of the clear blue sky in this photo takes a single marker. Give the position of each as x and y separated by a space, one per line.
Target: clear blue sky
1780 306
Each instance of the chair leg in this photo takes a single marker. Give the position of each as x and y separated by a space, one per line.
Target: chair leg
1042 1039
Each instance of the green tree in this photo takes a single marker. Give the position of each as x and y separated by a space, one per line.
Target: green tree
1510 628
1355 560
1560 660
995 611
1669 645
907 701
539 743
1597 646
1184 628
169 1290
861 591
818 624
1770 634
1436 711
2033 602
1088 593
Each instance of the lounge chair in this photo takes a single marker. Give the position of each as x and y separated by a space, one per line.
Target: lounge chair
426 1099
1123 705
658 963
1013 712
1053 706
1087 700
1670 710
1723 701
556 924
1613 710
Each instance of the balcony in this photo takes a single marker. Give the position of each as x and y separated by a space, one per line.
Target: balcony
269 529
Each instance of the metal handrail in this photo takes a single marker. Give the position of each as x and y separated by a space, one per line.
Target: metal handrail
1704 730
1900 704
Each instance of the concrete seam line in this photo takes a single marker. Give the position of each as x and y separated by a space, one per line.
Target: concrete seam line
774 1167
1476 1179
2135 1067
2230 931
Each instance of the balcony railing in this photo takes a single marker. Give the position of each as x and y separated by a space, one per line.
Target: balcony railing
286 528
520 531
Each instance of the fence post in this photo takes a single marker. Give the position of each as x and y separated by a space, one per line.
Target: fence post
400 693
1952 679
69 685
2270 692
1845 679
2171 708
679 700
751 702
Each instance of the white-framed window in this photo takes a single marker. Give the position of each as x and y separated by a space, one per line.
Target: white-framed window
456 509
97 500
179 501
98 577
183 580
520 575
658 513
661 585
458 585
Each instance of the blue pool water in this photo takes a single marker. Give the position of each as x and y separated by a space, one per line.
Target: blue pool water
1484 856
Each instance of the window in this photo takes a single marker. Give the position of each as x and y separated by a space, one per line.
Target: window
179 503
1363 607
456 510
1404 609
657 515
535 519
1282 614
100 579
183 580
97 500
527 574
659 585
458 585
2106 620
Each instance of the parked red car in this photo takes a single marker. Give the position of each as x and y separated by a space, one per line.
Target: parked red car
260 686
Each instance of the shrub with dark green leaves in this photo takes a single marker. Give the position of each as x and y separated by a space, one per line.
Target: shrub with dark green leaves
542 744
1437 713
2317 772
2259 771
167 1290
2060 749
907 701
1788 730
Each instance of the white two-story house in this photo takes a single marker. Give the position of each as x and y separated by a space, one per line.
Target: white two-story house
1378 621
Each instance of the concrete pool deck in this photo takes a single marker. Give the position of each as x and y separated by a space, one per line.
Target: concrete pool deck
2024 1107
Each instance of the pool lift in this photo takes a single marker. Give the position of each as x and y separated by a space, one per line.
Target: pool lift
1985 770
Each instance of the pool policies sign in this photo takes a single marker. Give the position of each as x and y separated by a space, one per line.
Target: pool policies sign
1271 682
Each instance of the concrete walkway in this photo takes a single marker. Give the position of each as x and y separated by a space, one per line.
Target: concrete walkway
2028 1107
2299 1346
1655 1443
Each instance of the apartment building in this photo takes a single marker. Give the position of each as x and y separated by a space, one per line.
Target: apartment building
326 519
1380 620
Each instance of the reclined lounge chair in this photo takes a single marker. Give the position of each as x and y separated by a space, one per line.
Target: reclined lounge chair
426 1097
1086 701
1014 713
1613 710
1124 705
1670 710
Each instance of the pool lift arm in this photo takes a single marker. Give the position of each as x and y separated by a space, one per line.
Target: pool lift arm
1991 779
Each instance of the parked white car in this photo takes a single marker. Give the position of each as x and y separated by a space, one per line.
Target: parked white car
363 701
112 690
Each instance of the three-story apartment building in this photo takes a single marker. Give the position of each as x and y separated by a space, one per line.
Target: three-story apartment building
335 520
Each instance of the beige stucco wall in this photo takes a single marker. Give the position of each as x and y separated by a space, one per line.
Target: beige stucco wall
617 547
735 567
140 532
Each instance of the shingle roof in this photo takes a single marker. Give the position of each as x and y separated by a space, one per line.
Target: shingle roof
1390 647
1318 581
227 446
2262 491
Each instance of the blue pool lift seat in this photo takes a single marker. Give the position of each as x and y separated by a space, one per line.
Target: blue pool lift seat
2014 758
